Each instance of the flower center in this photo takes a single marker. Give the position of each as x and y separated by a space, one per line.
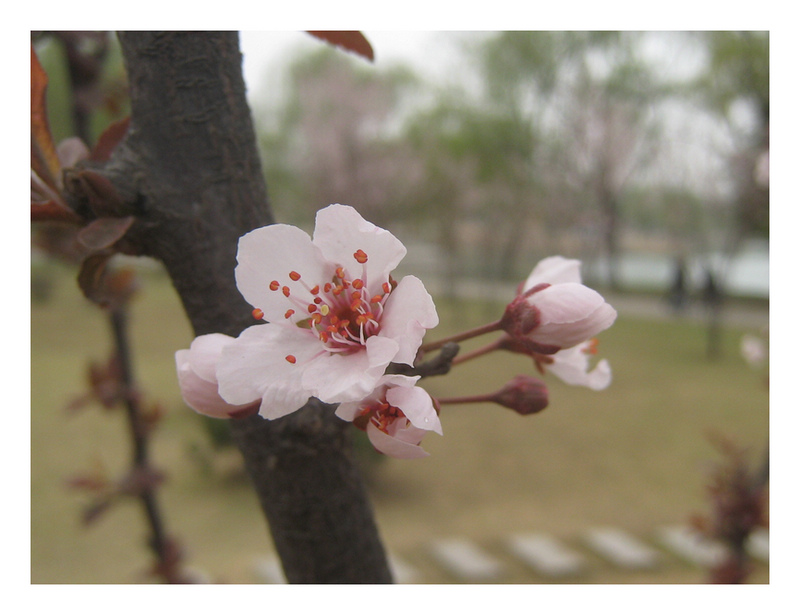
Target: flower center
340 311
381 414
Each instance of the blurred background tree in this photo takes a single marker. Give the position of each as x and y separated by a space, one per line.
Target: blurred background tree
596 144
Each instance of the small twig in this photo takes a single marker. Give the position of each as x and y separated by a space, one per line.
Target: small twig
161 544
438 366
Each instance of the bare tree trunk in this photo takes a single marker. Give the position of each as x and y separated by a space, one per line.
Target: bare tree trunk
189 171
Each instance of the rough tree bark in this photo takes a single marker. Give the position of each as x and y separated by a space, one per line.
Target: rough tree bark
189 171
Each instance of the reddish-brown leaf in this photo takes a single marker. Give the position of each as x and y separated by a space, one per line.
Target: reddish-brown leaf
352 40
96 189
104 232
108 141
44 159
51 211
90 278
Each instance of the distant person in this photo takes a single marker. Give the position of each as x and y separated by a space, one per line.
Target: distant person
677 296
712 295
712 300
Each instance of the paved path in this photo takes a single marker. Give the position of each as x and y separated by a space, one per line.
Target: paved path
544 558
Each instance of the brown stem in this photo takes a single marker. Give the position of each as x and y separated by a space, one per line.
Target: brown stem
464 335
478 352
140 462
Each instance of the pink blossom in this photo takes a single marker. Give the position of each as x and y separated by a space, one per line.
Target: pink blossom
554 310
198 379
571 365
395 416
335 318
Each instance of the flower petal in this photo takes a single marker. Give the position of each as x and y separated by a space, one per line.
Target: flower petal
348 411
271 253
340 231
205 352
570 313
197 378
395 447
335 378
554 270
572 367
254 366
417 405
408 313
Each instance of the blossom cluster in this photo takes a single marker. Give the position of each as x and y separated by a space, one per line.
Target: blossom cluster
332 319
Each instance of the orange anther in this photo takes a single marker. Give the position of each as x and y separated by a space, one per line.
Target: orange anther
340 273
323 336
327 287
294 275
288 313
360 256
312 308
591 346
274 285
317 300
355 294
316 318
358 283
315 290
291 358
355 304
387 288
258 314
376 299
286 291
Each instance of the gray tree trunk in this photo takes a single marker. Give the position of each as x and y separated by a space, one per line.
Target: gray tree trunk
189 171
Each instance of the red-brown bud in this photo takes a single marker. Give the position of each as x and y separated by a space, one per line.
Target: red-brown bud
523 394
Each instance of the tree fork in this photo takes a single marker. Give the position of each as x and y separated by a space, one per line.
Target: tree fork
189 170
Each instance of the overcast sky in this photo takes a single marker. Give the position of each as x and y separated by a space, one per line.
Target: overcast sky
266 54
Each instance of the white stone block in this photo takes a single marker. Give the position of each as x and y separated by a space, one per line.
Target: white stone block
691 545
758 544
464 559
621 548
546 555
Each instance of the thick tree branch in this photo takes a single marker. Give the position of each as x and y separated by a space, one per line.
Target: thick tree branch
189 171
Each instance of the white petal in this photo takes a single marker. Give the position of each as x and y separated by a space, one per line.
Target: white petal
572 365
393 447
272 253
408 313
335 378
417 405
554 270
340 231
348 411
254 365
570 313
201 394
205 351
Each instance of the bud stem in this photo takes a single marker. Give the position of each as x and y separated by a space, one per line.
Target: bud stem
490 347
464 335
467 399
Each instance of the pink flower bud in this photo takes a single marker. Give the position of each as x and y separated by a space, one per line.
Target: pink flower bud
198 382
554 310
523 394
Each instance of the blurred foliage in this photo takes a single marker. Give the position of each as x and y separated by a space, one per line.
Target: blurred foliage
553 142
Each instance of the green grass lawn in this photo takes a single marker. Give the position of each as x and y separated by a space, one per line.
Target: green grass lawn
634 456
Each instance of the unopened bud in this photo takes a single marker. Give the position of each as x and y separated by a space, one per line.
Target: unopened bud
547 318
523 394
